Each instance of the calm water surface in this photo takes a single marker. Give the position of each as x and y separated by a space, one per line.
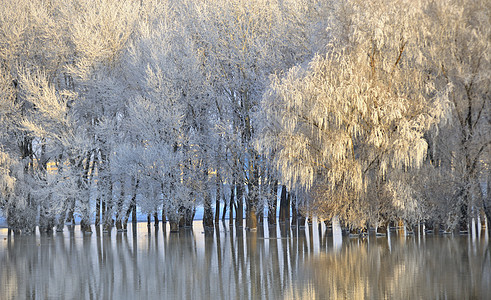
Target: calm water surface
273 263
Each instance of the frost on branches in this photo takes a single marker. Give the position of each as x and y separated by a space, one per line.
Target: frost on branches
347 124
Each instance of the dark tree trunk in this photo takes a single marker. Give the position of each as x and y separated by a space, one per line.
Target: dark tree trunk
156 219
98 211
85 226
239 217
217 200
131 209
272 205
208 212
189 217
119 214
164 217
174 225
294 210
464 214
231 206
84 184
284 206
487 211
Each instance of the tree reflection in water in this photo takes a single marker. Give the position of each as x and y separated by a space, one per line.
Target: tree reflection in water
277 262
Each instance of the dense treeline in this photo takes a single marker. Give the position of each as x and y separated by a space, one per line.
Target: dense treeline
371 111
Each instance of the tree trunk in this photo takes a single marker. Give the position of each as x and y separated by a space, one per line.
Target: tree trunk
156 219
239 217
217 200
231 206
252 219
174 225
98 211
294 210
85 226
464 215
273 202
208 212
164 217
119 204
487 211
284 206
190 217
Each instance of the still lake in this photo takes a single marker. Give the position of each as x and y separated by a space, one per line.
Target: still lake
274 263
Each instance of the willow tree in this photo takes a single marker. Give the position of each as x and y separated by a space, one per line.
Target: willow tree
349 121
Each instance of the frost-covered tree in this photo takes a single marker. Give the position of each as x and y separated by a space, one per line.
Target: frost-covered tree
240 43
458 54
33 51
355 116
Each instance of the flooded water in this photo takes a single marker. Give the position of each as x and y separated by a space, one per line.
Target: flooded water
273 263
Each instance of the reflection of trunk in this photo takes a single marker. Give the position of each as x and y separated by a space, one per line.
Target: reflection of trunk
274 254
